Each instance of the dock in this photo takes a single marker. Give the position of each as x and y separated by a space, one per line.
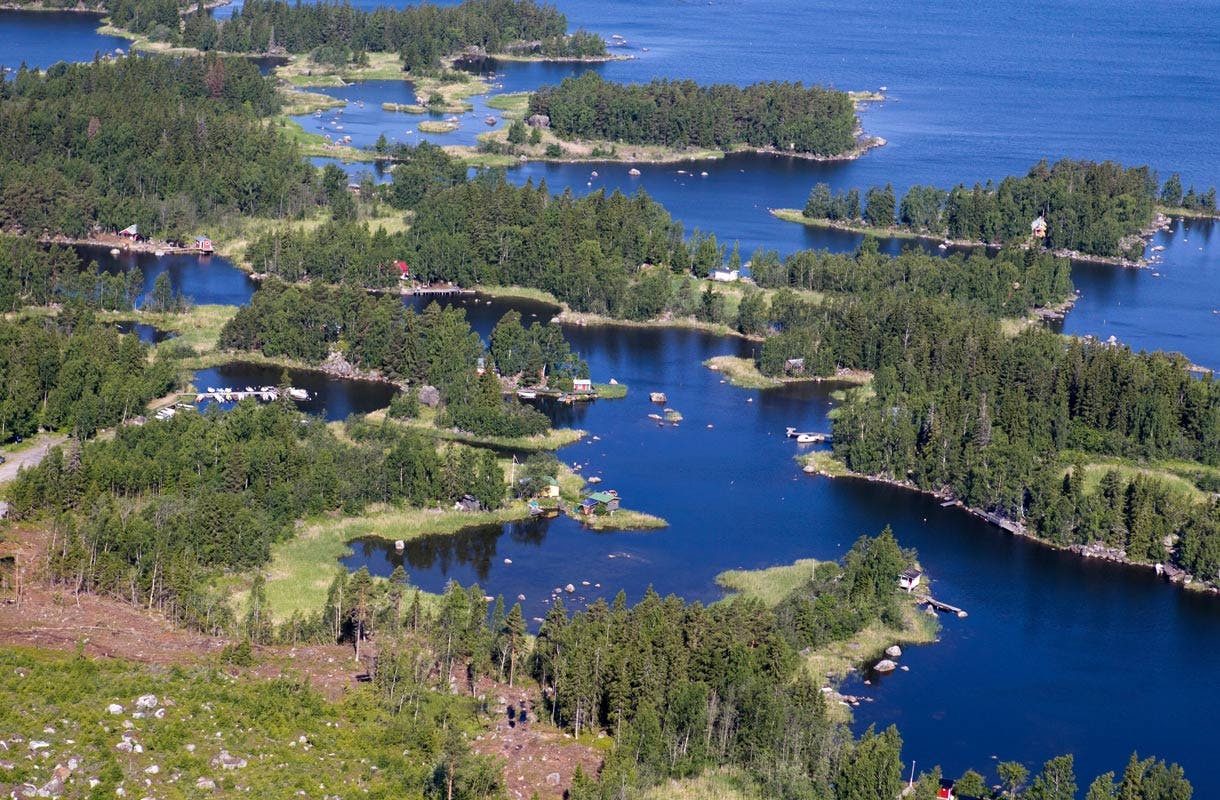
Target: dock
808 436
932 602
266 394
436 291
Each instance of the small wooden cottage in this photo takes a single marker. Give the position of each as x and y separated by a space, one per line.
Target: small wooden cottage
550 488
909 578
130 232
1038 227
598 502
582 385
794 366
203 244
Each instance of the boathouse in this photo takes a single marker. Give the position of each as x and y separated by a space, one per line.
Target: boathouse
1038 227
203 244
582 385
909 578
599 501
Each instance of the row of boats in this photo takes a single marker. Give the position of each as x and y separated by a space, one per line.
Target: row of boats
226 394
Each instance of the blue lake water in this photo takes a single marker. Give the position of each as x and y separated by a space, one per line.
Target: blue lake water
330 398
41 38
1058 654
205 280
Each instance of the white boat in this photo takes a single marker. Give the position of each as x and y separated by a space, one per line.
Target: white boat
595 479
114 251
527 394
158 253
806 438
657 417
298 394
657 397
633 172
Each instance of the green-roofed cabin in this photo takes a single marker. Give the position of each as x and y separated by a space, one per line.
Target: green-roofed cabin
595 501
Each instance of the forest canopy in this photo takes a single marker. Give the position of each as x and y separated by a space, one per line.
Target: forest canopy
782 116
1094 208
163 143
422 34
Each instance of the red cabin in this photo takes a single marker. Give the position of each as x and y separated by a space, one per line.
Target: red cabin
404 272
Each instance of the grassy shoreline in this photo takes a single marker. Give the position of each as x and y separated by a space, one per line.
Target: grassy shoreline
835 660
426 423
1187 213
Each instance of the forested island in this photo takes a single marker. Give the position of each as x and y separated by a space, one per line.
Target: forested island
1078 208
590 117
339 33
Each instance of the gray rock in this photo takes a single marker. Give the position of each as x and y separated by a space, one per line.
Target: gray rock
552 779
205 783
538 121
885 665
893 651
114 708
429 396
146 702
228 761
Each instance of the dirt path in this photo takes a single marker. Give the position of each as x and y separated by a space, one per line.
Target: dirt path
538 758
29 456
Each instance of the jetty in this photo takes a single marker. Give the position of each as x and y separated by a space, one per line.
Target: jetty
266 394
932 602
442 290
806 437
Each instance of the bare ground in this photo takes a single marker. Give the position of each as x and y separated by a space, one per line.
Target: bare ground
56 618
538 757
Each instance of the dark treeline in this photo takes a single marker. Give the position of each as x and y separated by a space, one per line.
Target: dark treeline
960 406
1094 208
31 274
1009 283
421 34
595 253
436 347
1173 196
154 514
784 116
71 373
159 142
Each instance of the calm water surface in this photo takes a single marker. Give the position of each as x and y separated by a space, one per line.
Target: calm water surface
41 38
331 398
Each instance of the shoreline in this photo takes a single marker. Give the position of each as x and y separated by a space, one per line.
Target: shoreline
1159 222
1172 574
665 155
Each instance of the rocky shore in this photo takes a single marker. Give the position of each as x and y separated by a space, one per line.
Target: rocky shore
1095 550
